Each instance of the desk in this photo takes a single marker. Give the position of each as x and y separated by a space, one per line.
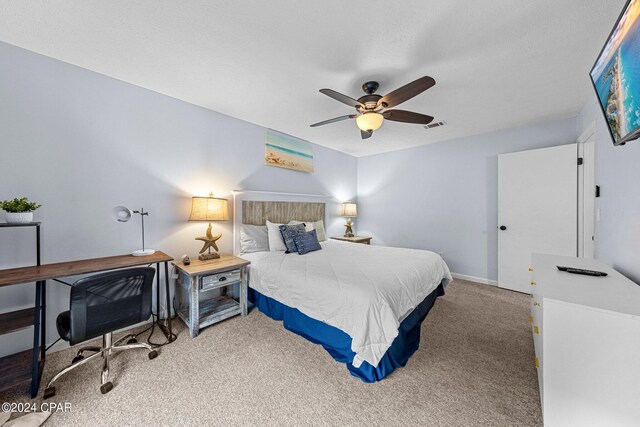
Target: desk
41 273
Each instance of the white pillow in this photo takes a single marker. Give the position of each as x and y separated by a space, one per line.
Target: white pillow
253 238
276 242
314 225
319 227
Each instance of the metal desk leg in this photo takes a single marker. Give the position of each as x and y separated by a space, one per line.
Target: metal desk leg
168 332
43 322
158 293
35 365
166 329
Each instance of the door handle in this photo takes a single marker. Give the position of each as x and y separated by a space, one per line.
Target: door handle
503 227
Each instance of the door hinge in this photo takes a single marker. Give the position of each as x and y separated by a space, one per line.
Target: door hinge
580 161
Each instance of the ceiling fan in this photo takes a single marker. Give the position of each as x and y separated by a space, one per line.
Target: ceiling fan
372 108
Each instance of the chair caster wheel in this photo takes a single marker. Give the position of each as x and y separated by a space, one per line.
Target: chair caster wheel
132 341
77 358
153 354
49 392
106 387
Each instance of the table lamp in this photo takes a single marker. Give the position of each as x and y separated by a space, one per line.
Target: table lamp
209 209
349 210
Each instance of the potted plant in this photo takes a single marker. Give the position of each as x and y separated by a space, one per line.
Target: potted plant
19 211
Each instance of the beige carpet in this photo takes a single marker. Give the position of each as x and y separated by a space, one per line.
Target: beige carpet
474 368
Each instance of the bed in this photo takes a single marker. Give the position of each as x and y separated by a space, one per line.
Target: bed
364 304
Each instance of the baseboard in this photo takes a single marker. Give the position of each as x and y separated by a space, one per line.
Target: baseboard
475 279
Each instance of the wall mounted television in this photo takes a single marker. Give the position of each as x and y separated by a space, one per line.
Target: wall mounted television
616 76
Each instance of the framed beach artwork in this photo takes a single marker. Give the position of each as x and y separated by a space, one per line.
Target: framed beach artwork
285 151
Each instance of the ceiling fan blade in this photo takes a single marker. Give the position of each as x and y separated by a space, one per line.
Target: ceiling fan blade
406 92
366 134
342 98
407 117
337 119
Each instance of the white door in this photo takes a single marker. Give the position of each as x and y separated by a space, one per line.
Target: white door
537 210
586 195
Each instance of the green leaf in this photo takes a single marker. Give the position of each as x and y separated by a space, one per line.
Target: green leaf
19 205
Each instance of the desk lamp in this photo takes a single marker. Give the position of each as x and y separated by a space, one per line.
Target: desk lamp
124 214
349 210
209 209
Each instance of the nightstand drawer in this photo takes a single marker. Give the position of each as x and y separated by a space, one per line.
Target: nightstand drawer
214 281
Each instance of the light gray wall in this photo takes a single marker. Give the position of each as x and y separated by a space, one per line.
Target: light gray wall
618 175
443 197
81 143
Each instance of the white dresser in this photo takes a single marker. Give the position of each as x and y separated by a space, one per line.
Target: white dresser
586 332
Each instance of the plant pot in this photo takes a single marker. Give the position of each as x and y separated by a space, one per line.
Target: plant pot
18 217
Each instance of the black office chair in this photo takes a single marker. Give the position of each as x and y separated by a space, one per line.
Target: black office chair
101 304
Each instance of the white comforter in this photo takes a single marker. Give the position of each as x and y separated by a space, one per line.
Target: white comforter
365 291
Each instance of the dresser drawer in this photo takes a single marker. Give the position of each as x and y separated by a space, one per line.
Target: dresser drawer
536 312
537 339
536 330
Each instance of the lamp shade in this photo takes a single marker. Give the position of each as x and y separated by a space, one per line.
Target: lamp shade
349 209
209 209
369 121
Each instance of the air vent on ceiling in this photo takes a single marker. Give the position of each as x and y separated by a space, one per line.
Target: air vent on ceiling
435 125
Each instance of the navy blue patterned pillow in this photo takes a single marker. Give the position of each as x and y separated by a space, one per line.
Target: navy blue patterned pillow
288 234
307 242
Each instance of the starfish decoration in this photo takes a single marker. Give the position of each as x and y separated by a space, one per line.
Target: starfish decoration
349 230
209 240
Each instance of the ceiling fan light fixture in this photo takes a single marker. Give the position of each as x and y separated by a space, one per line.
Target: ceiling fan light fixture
369 121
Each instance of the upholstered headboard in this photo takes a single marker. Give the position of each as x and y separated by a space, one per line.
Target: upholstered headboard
259 212
256 207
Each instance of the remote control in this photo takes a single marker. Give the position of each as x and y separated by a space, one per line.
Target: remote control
584 272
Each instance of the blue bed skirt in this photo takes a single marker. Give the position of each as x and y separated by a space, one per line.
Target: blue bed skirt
338 343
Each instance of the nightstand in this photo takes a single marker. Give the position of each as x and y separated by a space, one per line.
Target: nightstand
355 239
208 292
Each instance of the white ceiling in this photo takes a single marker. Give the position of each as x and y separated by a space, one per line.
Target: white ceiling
497 63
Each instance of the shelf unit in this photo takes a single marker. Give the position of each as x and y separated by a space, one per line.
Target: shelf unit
16 320
26 366
15 369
